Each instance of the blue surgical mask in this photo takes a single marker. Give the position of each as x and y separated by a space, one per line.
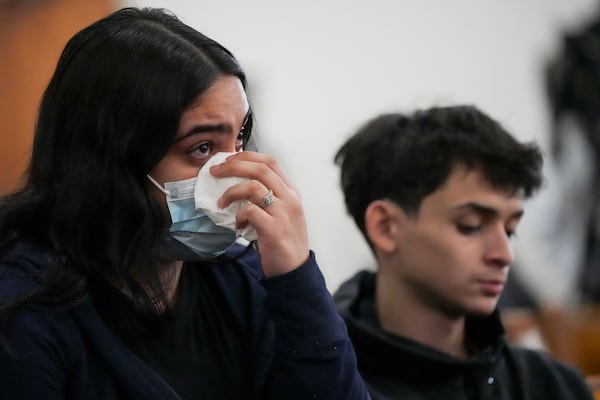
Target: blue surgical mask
200 237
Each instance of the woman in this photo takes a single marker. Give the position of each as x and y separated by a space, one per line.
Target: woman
106 291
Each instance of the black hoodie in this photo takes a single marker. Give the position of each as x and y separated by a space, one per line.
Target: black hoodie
395 367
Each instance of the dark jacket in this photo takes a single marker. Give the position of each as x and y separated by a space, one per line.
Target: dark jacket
300 347
398 368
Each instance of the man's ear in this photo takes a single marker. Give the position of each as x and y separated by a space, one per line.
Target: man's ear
383 224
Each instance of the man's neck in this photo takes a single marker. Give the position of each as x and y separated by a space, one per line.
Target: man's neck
402 314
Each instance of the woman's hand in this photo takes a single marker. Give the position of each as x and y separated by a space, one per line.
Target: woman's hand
280 226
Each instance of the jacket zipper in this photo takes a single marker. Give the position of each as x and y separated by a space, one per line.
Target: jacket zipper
158 377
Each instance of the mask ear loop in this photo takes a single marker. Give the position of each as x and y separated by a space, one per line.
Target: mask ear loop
162 189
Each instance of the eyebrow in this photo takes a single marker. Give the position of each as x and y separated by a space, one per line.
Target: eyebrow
218 128
484 210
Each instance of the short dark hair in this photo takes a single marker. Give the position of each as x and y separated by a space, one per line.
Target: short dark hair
108 116
405 157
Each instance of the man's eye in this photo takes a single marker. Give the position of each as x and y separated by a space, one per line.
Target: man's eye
468 229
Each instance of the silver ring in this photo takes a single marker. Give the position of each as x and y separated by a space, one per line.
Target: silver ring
267 200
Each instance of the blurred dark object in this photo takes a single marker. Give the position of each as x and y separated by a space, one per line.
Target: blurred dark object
573 84
573 88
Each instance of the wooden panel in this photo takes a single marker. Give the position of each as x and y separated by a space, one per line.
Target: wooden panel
571 335
32 35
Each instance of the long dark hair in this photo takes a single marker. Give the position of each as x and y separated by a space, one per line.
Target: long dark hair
108 115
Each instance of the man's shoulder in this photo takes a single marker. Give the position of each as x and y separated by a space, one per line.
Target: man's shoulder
359 281
538 367
542 359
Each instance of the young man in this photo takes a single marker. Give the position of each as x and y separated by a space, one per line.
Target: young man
438 195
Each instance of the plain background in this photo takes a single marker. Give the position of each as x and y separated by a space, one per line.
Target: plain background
319 69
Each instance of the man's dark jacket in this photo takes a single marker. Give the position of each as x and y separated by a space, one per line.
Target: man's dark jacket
401 369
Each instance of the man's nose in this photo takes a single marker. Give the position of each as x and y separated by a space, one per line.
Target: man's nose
499 249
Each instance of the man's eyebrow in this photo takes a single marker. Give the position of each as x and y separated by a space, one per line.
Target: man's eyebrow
484 210
216 128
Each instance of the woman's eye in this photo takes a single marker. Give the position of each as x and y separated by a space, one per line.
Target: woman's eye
239 141
202 151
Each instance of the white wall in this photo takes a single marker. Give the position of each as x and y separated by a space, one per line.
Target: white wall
318 69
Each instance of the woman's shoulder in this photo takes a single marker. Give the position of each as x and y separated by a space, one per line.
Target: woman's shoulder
40 347
20 268
40 343
37 323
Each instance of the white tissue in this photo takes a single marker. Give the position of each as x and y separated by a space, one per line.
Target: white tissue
208 189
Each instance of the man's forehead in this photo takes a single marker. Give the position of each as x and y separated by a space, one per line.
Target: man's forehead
470 189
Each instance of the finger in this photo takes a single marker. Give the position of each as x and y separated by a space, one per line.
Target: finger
254 166
252 191
265 159
259 174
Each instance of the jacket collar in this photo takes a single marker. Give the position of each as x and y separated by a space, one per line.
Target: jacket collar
384 354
